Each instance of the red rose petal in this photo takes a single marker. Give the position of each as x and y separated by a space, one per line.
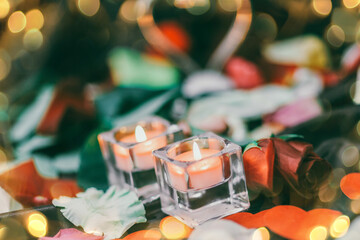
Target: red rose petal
350 185
176 35
259 165
243 73
302 147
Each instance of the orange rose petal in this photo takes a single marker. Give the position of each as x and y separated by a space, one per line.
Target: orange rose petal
350 185
284 220
248 220
314 218
54 188
16 182
287 221
151 234
259 165
322 216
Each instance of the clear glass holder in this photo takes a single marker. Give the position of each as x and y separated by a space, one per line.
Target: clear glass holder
130 164
195 191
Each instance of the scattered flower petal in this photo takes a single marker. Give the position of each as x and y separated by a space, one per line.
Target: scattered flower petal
307 51
111 213
72 234
145 235
287 221
16 182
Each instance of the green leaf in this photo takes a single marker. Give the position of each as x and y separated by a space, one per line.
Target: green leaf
251 145
288 137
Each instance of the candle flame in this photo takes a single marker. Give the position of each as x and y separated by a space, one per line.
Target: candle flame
196 152
140 134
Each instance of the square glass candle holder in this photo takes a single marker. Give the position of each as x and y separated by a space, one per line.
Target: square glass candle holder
196 188
129 163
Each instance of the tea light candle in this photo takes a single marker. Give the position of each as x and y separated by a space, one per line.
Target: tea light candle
202 174
201 178
147 142
127 151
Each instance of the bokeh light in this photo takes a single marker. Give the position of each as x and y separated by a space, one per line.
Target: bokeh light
128 12
358 128
340 226
335 35
3 230
350 156
4 8
322 7
199 7
355 91
230 5
351 3
4 101
265 27
355 206
34 19
184 3
347 21
172 228
37 225
318 233
327 193
3 158
33 39
5 64
152 234
261 234
88 7
336 176
17 22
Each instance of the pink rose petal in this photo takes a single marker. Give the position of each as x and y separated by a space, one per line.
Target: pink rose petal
72 234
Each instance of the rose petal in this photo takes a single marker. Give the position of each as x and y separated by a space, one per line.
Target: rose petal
248 220
71 234
284 220
145 235
16 182
313 172
350 185
259 165
288 160
302 147
245 74
295 113
314 218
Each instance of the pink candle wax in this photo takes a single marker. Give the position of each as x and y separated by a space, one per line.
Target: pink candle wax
202 173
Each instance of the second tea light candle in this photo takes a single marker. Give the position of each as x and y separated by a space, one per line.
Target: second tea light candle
201 174
201 178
